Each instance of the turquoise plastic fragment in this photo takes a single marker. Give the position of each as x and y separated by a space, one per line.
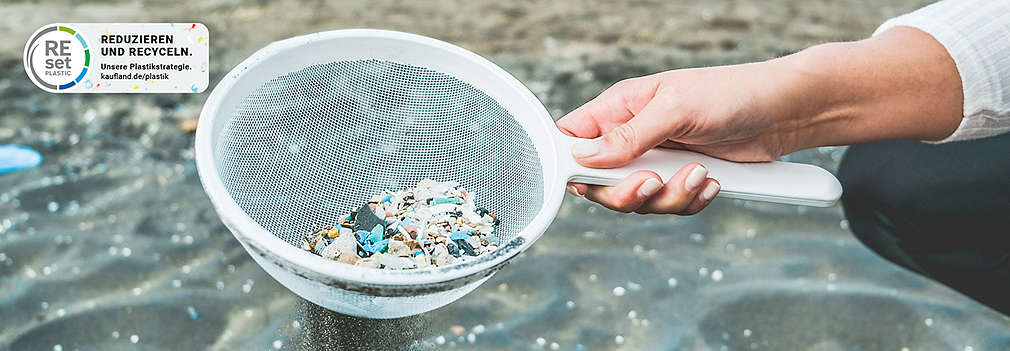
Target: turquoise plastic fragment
462 234
16 157
386 199
447 200
419 253
406 221
376 233
379 246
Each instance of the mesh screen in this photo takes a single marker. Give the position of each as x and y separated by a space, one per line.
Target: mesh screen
308 147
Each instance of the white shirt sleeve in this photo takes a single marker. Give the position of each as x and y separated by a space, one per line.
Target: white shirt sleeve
976 34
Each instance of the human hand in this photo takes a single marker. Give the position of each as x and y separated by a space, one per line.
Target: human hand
828 95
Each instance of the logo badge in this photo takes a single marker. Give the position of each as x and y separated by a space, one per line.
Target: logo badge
57 57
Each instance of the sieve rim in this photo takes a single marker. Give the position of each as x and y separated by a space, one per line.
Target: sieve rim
366 280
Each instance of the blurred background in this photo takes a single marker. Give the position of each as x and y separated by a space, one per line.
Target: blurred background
111 244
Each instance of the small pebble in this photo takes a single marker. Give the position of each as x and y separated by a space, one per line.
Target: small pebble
672 282
619 339
619 291
541 341
457 330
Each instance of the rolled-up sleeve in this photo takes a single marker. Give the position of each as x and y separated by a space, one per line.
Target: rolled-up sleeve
976 34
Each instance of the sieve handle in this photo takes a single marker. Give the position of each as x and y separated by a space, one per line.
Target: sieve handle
778 182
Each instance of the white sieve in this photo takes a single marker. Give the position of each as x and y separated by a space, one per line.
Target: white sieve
307 129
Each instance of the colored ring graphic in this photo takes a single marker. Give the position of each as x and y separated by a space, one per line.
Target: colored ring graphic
31 53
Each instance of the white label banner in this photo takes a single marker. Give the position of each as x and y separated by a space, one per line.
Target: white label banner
119 57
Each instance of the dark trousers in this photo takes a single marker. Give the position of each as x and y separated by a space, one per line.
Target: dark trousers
940 210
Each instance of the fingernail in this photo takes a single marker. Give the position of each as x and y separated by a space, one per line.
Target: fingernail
695 178
651 186
586 148
573 190
710 191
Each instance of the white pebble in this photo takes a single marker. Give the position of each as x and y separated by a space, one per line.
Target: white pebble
137 291
747 333
134 338
471 338
440 340
593 277
969 348
716 275
115 334
555 346
619 339
541 341
570 304
632 314
929 322
127 252
672 282
176 283
619 291
278 344
703 271
57 347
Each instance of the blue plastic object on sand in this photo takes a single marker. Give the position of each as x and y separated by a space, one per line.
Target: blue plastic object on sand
17 157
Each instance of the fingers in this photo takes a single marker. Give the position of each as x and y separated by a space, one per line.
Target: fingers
627 195
688 192
651 126
613 107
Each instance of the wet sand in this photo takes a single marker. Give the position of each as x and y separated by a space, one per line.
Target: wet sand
111 243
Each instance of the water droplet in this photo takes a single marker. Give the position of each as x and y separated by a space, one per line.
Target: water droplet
632 314
186 269
570 304
115 334
619 339
127 252
137 291
593 277
703 271
541 341
53 206
57 347
929 322
697 237
61 312
219 285
440 340
176 283
672 282
45 305
747 333
555 346
278 344
472 338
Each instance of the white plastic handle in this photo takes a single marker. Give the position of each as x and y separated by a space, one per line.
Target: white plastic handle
779 182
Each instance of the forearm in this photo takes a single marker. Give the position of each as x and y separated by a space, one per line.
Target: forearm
901 84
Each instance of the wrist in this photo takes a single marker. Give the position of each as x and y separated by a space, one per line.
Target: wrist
901 84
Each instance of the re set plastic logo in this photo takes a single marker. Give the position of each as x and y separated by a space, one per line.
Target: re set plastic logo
119 57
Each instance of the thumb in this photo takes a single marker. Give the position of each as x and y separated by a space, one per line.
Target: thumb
622 144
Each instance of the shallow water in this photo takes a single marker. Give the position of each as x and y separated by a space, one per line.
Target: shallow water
111 243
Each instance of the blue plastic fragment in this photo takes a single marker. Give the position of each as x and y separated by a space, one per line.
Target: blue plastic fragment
462 234
419 253
363 236
17 157
377 246
192 313
386 199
